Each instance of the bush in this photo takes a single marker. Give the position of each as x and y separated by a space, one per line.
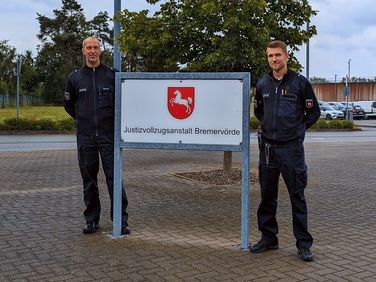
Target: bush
43 124
66 124
36 124
333 124
254 123
320 124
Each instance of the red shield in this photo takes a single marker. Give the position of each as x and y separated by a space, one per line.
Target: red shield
181 101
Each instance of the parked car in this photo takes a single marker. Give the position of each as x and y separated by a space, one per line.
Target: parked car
322 103
333 104
329 112
369 108
342 107
348 103
357 111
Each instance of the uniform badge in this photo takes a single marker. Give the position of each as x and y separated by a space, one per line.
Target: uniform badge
66 96
309 103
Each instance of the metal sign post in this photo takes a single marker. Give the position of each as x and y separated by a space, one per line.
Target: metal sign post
346 92
215 114
117 65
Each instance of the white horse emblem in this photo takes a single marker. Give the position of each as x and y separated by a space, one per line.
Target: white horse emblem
178 100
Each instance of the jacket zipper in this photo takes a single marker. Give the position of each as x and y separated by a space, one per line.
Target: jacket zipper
275 107
95 104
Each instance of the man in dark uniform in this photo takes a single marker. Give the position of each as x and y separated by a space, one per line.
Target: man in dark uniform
286 106
89 99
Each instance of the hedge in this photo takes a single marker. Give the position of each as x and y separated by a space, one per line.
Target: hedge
69 124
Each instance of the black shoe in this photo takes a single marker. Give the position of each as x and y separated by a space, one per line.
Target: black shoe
125 230
90 227
261 246
305 254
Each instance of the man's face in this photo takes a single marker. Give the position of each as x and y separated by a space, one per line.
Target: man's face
277 59
92 52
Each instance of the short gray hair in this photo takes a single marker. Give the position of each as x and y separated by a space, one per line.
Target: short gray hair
90 38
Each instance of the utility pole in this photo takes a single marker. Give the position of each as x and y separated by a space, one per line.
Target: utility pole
307 54
335 86
347 92
117 58
19 63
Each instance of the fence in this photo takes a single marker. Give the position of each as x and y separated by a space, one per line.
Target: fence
359 91
10 100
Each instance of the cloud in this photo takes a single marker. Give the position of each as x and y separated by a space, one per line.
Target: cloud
346 29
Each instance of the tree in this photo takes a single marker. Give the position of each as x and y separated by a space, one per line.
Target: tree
29 77
212 35
147 43
362 79
7 67
61 42
99 27
315 79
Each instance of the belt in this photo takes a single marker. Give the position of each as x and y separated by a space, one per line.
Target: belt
277 144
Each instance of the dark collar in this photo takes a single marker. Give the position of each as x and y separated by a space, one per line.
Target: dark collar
91 69
285 76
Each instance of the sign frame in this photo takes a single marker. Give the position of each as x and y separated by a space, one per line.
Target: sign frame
243 147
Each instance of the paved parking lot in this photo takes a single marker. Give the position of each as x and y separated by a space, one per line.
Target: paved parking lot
183 230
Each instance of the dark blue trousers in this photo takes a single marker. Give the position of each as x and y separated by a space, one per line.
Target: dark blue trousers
290 162
89 149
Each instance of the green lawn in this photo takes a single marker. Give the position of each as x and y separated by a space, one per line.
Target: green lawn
35 112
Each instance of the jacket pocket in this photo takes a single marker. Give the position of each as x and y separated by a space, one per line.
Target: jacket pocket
287 106
105 96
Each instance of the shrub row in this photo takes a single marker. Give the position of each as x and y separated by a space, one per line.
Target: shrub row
37 124
320 124
333 124
68 124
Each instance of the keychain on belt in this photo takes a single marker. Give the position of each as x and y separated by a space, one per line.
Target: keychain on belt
267 153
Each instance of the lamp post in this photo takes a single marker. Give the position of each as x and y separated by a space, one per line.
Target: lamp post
335 86
307 54
117 58
348 115
349 69
19 63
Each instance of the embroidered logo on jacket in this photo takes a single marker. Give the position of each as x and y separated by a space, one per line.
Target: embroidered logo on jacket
309 103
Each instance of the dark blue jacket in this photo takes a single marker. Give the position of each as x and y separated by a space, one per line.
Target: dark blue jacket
89 98
285 108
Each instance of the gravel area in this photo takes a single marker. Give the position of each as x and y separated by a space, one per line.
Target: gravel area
218 177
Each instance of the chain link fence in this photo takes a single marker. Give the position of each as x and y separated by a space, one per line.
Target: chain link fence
10 100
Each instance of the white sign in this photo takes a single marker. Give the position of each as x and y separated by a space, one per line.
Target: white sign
182 111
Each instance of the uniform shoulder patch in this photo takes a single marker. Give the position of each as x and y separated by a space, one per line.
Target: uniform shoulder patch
309 103
66 96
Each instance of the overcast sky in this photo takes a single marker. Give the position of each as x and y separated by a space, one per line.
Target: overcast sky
346 30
